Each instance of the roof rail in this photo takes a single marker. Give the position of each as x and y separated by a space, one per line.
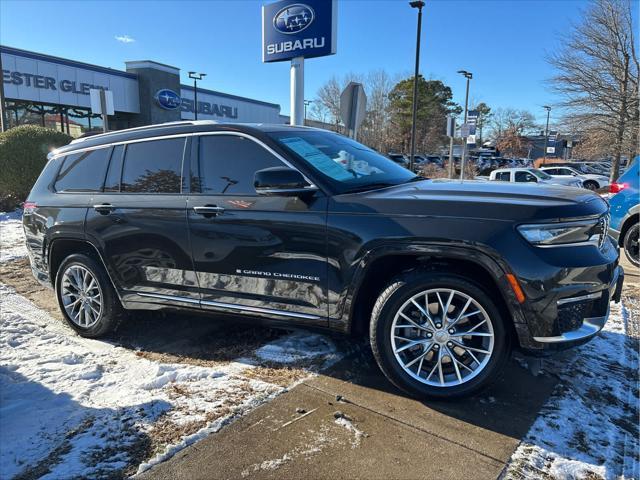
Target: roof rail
147 127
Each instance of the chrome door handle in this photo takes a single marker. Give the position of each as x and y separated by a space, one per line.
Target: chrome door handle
104 208
208 210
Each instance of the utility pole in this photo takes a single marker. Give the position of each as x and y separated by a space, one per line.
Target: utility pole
306 104
415 4
546 134
297 91
468 76
3 116
196 76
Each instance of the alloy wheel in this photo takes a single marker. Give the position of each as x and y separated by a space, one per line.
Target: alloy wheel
81 296
442 337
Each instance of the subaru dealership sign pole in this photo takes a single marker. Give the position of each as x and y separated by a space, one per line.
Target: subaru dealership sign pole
294 31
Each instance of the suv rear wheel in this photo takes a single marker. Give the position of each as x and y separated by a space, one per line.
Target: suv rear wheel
630 243
86 298
438 335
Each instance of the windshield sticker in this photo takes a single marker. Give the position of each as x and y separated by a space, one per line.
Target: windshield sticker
317 158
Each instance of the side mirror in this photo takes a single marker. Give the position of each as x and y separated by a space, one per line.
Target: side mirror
281 181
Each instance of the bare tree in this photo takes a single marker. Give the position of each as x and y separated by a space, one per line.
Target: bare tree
597 76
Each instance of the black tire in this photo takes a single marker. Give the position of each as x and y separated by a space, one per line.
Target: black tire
591 185
111 312
630 244
400 290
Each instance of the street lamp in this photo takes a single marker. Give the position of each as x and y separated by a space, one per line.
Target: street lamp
468 76
196 76
415 4
306 104
546 133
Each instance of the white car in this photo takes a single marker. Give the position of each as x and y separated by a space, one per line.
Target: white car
589 180
532 175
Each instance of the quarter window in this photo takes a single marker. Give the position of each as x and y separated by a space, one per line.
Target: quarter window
83 171
153 166
227 164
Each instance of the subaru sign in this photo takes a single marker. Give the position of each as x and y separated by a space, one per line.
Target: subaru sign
168 99
298 29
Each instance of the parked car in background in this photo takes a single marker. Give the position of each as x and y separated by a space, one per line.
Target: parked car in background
589 181
399 158
625 212
531 175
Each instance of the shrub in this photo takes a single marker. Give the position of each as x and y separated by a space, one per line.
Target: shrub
23 155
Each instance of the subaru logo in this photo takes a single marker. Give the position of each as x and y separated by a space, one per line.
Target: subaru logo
294 18
168 99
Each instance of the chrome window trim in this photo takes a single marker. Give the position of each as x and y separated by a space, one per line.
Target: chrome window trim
231 306
185 135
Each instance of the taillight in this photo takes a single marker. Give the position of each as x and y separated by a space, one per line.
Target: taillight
617 187
29 206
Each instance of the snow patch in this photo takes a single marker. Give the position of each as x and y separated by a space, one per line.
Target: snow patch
12 242
296 348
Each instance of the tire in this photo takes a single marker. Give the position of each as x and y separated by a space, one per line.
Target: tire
93 311
630 244
455 381
590 185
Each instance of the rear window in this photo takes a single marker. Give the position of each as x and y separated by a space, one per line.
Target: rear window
153 167
83 171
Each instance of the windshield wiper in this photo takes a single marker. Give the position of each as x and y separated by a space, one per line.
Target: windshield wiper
369 186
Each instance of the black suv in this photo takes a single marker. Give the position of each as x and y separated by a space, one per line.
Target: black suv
304 227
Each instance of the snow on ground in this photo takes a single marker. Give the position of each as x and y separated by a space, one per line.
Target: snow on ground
589 426
11 236
296 348
78 407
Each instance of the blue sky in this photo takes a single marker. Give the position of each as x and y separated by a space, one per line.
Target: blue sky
503 42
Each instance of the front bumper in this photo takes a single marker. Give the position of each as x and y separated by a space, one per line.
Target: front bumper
590 325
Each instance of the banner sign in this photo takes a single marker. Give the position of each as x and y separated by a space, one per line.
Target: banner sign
298 29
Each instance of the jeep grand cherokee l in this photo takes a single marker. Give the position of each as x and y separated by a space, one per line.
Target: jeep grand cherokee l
304 227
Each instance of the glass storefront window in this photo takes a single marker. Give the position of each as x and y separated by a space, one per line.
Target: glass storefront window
71 120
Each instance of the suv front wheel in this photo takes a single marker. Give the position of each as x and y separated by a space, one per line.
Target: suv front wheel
86 298
438 335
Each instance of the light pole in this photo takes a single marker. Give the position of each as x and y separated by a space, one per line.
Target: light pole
306 104
196 76
546 134
415 4
468 76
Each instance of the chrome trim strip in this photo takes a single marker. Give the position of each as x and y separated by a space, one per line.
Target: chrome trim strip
591 296
589 328
259 310
232 306
169 297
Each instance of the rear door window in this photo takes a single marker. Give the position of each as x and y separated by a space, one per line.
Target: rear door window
153 166
83 171
525 177
502 176
112 182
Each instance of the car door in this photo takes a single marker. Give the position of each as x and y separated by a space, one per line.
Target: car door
264 255
139 224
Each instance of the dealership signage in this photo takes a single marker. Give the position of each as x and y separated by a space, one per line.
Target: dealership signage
293 29
47 83
170 100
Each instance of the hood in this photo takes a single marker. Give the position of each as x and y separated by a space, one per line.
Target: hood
474 199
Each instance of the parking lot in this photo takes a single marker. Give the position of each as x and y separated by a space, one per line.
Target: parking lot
179 396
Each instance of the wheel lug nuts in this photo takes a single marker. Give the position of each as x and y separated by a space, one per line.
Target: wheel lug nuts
436 346
438 325
449 344
452 331
429 335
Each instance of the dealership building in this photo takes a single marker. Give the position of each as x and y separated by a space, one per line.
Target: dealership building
54 92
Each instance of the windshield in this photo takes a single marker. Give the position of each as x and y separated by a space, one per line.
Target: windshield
540 174
348 165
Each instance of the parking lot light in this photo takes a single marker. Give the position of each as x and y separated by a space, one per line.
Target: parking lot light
415 4
546 134
196 76
468 76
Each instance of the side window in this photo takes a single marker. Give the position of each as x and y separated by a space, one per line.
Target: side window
551 171
112 182
83 171
525 177
503 176
564 171
227 163
153 166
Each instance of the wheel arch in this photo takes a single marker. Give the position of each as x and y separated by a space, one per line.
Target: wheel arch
464 261
60 248
633 217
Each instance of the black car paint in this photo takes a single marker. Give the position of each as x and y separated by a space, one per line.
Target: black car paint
303 259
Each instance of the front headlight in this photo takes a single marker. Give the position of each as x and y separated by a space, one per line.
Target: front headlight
585 232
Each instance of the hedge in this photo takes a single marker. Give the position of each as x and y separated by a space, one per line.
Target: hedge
23 155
